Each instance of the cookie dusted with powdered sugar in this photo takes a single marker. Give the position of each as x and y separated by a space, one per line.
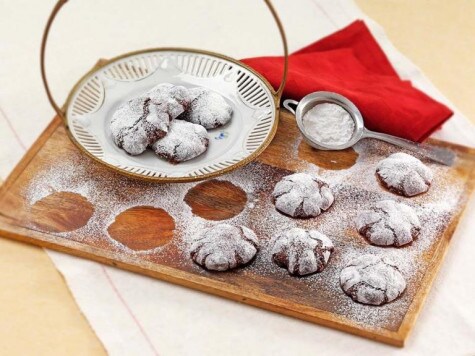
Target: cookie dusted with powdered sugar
301 251
183 142
302 195
136 124
224 247
169 98
373 280
141 121
207 108
404 174
388 223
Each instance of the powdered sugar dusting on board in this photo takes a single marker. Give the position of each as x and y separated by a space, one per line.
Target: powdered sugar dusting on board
354 189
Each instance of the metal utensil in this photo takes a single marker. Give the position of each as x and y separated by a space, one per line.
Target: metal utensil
436 154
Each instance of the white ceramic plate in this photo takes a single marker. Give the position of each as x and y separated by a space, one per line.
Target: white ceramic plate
97 96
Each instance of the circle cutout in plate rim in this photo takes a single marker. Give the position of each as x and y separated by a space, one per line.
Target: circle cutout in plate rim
99 93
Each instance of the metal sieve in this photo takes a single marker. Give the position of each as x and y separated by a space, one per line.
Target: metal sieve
436 154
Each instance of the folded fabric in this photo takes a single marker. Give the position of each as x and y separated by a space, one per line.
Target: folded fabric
351 63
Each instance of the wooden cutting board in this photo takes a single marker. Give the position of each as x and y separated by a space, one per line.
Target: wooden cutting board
60 199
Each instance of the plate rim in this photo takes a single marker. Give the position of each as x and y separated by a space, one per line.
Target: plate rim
104 62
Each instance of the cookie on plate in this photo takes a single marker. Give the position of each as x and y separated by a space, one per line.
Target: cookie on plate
169 98
136 124
183 142
207 108
141 121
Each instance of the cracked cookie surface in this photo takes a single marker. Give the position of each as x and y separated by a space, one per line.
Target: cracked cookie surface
404 174
134 127
388 223
183 142
302 252
302 195
225 247
207 108
141 121
374 280
169 98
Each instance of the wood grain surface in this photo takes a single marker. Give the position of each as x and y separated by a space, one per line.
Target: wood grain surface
61 212
206 200
143 227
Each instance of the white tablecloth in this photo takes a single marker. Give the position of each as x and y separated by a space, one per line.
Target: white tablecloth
132 314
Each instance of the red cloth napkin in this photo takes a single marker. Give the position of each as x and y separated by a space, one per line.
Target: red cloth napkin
350 62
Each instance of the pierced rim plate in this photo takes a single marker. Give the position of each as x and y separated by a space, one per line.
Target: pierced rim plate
96 97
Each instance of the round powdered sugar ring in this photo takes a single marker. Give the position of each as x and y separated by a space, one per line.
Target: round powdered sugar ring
301 251
302 195
404 174
388 223
224 247
183 142
373 280
207 108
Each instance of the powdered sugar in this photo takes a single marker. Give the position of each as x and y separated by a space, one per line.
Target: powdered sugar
329 123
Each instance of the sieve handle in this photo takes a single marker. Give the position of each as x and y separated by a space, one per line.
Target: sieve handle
436 154
288 102
277 93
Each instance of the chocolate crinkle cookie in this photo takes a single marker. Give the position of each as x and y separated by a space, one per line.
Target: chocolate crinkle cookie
301 251
224 247
173 99
207 108
183 142
373 280
141 121
404 174
388 223
302 195
135 125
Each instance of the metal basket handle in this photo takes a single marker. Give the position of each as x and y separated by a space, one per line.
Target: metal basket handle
277 93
